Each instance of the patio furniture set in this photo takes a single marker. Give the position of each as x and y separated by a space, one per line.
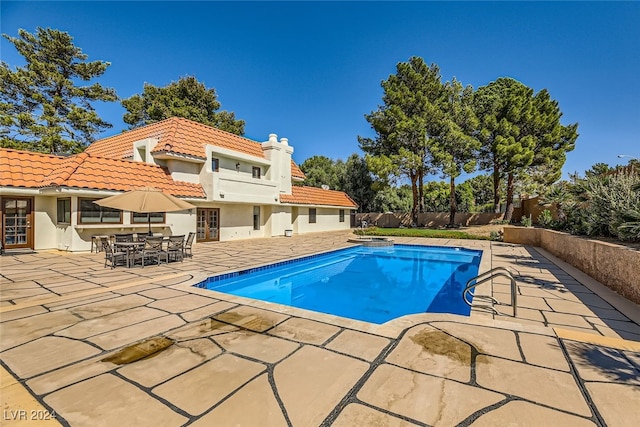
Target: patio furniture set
130 250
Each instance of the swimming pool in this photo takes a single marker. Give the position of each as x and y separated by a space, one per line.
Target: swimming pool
370 284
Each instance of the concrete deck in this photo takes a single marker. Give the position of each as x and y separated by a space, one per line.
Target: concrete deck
571 357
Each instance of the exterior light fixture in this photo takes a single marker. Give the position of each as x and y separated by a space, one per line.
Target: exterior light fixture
238 166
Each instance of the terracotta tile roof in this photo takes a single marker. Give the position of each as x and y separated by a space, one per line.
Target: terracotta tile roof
317 196
296 172
24 168
176 135
33 170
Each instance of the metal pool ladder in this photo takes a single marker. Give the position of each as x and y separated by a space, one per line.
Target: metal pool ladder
484 277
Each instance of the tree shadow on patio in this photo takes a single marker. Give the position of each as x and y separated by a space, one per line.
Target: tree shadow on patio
594 361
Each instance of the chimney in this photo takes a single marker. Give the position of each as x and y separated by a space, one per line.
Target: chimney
279 152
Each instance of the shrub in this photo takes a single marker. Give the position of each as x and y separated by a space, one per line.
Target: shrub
610 199
545 219
526 221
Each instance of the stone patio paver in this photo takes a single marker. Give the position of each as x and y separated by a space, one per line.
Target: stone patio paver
312 381
543 351
107 400
175 360
203 387
253 405
62 377
256 346
136 332
270 364
110 322
304 330
45 354
612 401
552 388
360 415
358 344
524 414
428 350
425 398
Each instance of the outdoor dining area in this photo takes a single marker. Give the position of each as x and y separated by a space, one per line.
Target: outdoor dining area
131 249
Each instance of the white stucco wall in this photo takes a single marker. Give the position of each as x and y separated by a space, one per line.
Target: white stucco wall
327 219
236 222
184 171
44 223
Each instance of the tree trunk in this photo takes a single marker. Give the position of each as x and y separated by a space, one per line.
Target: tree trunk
420 193
414 192
496 187
509 211
452 202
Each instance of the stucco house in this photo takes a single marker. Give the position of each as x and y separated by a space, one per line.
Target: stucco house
242 189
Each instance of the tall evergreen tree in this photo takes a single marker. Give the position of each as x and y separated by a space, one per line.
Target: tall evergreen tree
43 106
186 98
455 149
519 130
409 117
358 183
321 170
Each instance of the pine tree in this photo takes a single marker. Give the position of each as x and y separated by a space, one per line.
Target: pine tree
519 131
42 106
409 117
186 98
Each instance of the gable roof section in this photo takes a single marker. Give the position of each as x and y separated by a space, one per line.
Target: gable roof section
317 196
296 172
176 135
33 170
25 168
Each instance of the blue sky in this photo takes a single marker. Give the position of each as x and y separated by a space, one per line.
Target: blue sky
311 71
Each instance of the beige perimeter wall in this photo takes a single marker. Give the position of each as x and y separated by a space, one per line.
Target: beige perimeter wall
429 219
615 266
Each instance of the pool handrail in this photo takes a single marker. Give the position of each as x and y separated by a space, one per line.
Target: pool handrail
486 276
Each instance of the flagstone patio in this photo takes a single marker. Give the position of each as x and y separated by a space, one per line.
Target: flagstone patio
571 357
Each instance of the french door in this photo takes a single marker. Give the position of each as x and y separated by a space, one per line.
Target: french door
17 222
208 225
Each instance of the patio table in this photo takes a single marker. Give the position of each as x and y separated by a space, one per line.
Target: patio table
130 248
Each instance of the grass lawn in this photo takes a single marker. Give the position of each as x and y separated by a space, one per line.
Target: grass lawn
421 232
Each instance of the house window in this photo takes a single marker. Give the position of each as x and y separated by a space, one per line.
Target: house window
312 215
341 215
64 211
90 213
142 218
256 172
256 217
215 165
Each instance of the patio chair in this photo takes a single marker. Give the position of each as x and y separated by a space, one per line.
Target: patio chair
175 247
153 249
188 244
128 237
111 255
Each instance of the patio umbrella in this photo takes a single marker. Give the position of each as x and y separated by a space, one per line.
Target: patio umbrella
145 200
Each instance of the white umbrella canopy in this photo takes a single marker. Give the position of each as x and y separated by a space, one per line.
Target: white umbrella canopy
145 200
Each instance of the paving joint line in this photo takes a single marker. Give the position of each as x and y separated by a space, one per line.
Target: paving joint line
91 292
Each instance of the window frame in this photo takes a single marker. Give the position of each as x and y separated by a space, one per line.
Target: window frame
132 218
253 172
63 199
216 161
256 218
100 208
313 213
341 215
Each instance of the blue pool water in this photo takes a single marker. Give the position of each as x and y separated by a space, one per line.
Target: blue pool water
370 284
